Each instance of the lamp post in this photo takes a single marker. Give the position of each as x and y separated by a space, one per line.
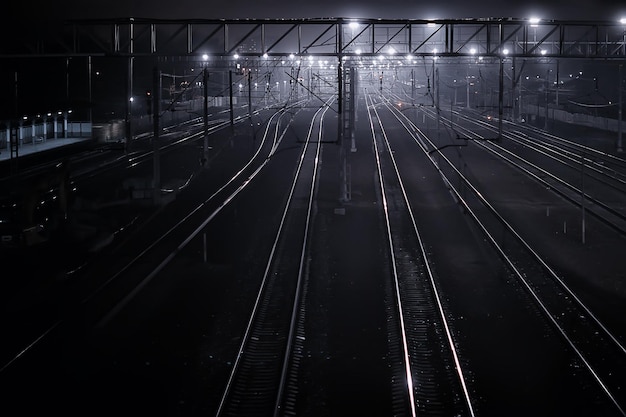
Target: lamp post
620 86
156 108
205 111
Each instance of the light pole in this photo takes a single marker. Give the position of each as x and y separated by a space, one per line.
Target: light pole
205 112
501 93
156 108
620 86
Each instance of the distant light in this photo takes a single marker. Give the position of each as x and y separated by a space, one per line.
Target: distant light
236 56
265 55
291 56
623 20
505 51
131 99
205 57
472 51
543 52
353 25
430 24
358 51
391 50
434 50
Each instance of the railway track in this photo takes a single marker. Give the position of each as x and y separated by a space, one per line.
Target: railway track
594 347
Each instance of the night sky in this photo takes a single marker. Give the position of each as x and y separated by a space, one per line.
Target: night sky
605 10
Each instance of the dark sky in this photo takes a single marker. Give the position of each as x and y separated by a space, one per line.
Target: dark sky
606 10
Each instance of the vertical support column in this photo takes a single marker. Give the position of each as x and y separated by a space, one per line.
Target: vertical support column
545 123
89 74
620 87
14 141
129 85
341 122
467 88
205 116
500 99
352 107
413 86
250 94
230 92
45 127
156 108
65 116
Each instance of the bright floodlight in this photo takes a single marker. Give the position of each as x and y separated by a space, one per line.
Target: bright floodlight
265 55
533 21
236 56
353 25
505 51
291 56
205 57
472 51
543 52
623 20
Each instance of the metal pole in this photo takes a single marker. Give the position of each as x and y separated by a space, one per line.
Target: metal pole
90 93
545 122
582 194
620 86
230 89
129 86
500 99
250 94
205 117
156 100
467 89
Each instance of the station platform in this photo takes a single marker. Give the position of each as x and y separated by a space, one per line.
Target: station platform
42 146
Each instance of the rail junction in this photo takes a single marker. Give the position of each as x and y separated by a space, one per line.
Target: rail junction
356 217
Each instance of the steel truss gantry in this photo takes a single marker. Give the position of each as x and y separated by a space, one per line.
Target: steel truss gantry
340 37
